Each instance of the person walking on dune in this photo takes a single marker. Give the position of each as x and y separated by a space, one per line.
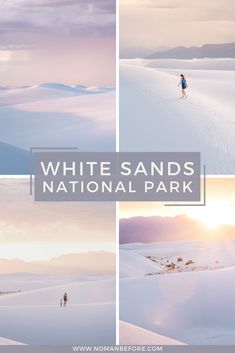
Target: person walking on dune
65 298
184 85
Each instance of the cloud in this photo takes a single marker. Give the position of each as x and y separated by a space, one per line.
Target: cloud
80 17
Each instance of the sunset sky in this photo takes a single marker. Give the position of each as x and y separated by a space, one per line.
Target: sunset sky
220 208
170 23
68 41
39 231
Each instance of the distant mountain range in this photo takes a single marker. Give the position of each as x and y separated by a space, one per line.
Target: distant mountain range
226 50
156 228
139 52
69 264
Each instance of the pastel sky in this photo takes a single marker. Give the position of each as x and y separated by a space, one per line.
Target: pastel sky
220 208
68 41
39 231
170 23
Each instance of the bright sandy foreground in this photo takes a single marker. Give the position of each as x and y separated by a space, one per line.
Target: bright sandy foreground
35 317
154 118
193 304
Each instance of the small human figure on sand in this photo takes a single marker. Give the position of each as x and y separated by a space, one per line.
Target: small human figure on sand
63 300
184 85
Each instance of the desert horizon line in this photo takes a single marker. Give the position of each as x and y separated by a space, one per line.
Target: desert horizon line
62 83
51 259
171 217
176 46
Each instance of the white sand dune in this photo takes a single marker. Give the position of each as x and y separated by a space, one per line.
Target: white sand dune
14 96
56 115
130 334
46 91
14 282
195 307
203 253
92 324
151 113
35 316
194 64
79 292
22 281
135 265
6 342
13 159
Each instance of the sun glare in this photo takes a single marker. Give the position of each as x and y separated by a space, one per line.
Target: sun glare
214 215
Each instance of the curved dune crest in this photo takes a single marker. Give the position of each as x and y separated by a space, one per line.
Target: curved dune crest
132 334
7 342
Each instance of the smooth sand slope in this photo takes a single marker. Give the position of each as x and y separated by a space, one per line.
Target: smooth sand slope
153 118
54 115
135 265
133 335
13 159
35 316
6 342
192 304
218 253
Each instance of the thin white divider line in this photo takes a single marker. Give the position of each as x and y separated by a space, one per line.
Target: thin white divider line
117 150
